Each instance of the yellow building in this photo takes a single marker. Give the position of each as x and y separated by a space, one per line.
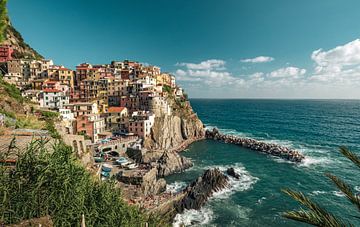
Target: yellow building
66 76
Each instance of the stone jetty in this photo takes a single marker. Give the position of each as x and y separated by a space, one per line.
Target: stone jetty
263 147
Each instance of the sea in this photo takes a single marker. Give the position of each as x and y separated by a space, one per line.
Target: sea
316 128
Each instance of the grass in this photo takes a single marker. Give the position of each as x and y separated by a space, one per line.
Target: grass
53 183
12 91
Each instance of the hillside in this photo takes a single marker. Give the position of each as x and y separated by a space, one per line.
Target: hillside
10 36
14 38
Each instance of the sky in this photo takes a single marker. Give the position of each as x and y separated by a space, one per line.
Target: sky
216 49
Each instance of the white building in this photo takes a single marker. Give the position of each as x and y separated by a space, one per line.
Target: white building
66 114
53 99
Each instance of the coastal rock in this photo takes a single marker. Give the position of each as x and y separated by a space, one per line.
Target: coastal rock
231 172
175 131
198 192
268 148
171 162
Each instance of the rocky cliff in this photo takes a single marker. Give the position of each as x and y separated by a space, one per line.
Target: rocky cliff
21 48
198 192
177 130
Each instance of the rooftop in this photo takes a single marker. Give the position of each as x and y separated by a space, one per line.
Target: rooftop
114 109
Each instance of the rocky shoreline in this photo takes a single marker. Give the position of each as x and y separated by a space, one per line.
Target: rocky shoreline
252 144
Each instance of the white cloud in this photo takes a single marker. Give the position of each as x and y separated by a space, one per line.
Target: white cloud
260 59
335 74
210 72
340 64
205 65
293 72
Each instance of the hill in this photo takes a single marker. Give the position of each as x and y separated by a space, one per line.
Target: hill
10 36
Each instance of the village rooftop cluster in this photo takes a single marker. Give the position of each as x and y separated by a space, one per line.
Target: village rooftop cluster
98 101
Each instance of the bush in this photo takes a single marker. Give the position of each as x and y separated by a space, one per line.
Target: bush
54 183
12 91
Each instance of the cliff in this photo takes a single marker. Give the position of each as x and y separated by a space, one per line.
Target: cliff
177 130
21 48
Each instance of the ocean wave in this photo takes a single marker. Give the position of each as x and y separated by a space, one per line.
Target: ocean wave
205 214
261 200
338 193
357 188
314 193
244 183
175 187
311 161
194 217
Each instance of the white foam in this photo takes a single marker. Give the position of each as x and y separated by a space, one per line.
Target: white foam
338 193
318 192
175 187
310 161
205 215
245 181
261 200
357 188
194 217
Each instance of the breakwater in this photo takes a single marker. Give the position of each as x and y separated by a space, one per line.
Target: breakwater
263 147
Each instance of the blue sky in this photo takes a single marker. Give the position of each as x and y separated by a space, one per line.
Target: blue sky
229 48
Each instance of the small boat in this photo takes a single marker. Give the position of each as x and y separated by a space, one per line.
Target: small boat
121 161
107 168
105 174
131 166
98 159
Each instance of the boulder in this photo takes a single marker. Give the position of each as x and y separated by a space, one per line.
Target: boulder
198 192
171 162
231 172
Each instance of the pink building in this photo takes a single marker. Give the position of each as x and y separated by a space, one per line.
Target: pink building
5 53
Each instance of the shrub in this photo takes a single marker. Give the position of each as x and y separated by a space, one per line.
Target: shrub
54 183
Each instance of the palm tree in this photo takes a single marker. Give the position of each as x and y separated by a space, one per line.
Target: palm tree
315 214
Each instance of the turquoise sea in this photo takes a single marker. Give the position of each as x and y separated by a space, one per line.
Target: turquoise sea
315 127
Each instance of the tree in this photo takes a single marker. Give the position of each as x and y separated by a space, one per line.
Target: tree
315 214
3 20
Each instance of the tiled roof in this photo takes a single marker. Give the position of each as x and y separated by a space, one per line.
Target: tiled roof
51 90
116 109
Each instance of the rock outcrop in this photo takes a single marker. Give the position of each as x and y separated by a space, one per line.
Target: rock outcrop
22 49
177 130
231 172
198 192
263 147
171 162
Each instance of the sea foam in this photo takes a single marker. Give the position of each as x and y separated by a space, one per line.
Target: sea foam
205 215
175 187
194 217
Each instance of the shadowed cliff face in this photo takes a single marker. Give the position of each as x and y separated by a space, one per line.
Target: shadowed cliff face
176 131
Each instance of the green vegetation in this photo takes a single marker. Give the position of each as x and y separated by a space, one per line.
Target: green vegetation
11 90
315 214
50 117
167 89
54 183
3 18
85 135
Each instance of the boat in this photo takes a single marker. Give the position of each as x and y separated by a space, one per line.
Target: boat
122 161
131 166
107 168
105 174
99 159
